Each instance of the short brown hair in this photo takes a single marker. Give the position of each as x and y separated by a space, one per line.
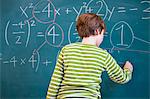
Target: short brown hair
87 24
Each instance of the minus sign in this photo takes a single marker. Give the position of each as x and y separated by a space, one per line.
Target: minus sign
6 62
133 9
40 35
121 8
15 24
37 12
122 11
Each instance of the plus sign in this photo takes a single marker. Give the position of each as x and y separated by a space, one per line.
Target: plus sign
89 9
67 10
47 62
21 24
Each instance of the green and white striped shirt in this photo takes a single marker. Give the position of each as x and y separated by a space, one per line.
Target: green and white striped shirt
78 72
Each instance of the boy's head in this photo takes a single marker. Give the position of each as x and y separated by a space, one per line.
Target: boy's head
89 24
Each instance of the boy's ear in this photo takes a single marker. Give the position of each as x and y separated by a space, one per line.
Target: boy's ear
97 31
103 31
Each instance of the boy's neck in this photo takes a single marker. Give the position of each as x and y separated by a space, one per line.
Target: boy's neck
89 40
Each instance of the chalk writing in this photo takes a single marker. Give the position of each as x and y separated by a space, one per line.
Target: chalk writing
43 20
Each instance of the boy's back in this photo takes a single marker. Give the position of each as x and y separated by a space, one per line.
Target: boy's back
83 65
80 66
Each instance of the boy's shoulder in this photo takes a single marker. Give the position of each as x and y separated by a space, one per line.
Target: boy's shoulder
79 44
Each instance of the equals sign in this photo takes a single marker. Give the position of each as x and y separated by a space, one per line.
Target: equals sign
40 34
106 34
121 9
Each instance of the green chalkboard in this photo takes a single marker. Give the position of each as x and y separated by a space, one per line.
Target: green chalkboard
34 31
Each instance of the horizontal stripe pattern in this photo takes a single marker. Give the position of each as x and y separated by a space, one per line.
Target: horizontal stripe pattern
78 72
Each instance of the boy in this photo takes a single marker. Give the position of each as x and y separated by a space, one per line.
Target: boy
79 66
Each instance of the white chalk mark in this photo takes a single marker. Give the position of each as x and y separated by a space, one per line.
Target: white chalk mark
75 33
13 60
37 67
148 42
47 62
40 34
60 34
14 24
122 11
18 41
37 12
77 37
84 5
21 24
49 10
23 11
111 12
57 11
53 33
6 33
25 21
41 46
18 32
33 60
28 37
100 4
134 9
145 1
122 35
22 61
32 22
147 10
130 50
89 9
121 8
30 5
111 50
69 32
100 8
145 18
67 11
106 34
78 12
5 62
122 23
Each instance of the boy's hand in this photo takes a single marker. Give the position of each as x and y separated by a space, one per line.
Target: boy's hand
128 65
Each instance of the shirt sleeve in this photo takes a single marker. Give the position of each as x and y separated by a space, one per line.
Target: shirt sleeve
56 78
115 72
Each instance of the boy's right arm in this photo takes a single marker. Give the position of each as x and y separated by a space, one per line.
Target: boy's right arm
116 73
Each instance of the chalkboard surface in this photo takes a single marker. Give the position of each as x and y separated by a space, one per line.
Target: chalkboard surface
34 31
